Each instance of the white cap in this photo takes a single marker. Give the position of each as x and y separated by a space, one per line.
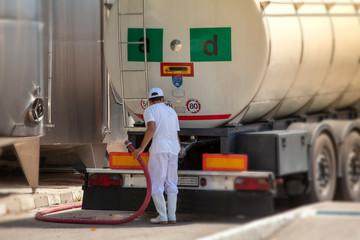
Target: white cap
155 92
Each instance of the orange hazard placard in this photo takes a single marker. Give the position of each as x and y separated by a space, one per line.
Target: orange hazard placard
225 162
177 69
123 160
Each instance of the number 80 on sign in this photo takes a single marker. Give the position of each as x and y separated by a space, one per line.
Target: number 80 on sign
193 106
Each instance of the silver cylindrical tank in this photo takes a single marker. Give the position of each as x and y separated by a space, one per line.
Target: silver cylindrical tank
21 68
241 60
74 71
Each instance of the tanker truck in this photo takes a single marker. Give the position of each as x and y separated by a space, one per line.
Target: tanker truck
266 94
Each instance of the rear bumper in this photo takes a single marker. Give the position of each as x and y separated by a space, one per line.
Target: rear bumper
189 201
218 197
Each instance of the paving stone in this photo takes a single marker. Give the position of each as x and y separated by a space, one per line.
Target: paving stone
66 197
77 196
3 209
41 201
27 203
54 199
14 206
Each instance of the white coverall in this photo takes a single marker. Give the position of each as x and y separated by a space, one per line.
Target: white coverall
164 150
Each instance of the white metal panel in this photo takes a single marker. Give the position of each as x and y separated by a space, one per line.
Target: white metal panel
134 84
317 49
352 93
285 36
345 58
221 87
258 109
304 61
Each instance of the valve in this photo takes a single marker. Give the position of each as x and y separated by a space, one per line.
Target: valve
36 110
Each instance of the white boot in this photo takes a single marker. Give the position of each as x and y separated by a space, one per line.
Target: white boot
160 205
171 201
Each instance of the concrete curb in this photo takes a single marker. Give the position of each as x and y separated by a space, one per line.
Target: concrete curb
26 202
268 225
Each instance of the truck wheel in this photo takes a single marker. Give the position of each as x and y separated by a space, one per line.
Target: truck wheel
323 170
350 160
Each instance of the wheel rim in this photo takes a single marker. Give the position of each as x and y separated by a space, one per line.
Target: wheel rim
323 173
353 169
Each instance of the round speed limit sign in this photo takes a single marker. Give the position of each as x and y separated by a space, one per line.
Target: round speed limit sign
193 106
144 104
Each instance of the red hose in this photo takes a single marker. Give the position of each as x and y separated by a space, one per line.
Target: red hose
41 215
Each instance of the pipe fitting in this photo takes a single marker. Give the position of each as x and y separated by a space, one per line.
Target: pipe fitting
36 110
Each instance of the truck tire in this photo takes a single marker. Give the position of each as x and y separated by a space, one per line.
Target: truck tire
349 184
323 184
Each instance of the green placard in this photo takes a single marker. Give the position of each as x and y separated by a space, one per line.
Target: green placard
210 44
154 39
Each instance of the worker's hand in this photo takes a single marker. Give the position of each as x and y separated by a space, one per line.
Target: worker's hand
136 153
182 152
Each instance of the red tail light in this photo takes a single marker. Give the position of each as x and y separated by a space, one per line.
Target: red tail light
203 182
251 184
105 180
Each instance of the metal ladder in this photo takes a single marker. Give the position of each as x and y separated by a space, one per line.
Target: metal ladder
121 42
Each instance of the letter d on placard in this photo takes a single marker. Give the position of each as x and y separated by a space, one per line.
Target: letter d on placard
214 44
210 44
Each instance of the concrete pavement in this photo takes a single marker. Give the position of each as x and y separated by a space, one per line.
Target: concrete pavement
327 220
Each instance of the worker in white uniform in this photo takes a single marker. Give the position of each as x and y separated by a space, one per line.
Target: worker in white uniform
162 127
